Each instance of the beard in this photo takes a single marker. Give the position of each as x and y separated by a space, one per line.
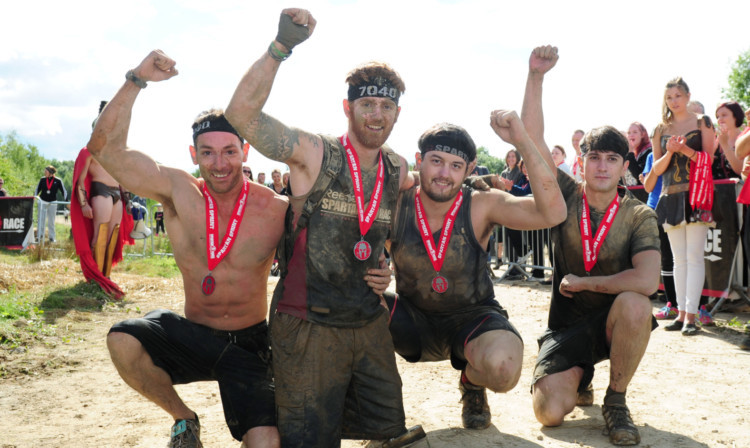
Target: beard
440 196
371 139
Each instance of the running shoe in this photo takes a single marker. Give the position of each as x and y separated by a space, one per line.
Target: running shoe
668 312
186 434
619 424
476 412
704 317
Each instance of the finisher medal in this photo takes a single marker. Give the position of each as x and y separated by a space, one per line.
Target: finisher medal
362 249
208 284
439 284
437 255
592 244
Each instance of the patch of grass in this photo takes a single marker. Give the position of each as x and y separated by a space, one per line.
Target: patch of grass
82 296
154 266
21 319
737 324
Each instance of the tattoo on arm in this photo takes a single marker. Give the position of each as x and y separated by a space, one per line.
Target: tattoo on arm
271 138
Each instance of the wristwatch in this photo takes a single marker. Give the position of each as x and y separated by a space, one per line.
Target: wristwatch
130 76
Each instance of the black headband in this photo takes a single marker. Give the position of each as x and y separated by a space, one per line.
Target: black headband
379 87
217 124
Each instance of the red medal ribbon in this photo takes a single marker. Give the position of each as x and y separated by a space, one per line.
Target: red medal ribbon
50 181
701 182
212 223
592 245
366 218
437 255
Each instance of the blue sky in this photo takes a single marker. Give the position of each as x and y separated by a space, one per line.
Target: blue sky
459 59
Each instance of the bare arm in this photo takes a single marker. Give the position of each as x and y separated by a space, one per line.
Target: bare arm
649 180
134 170
302 151
547 207
86 210
742 146
541 61
643 278
661 158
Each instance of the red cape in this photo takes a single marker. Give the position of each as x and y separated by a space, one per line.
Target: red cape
83 230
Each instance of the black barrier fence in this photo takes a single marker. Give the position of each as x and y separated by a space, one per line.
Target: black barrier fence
527 253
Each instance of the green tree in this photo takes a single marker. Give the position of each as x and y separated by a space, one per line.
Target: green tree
22 166
494 164
739 81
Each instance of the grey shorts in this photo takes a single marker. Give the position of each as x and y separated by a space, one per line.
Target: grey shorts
334 383
420 336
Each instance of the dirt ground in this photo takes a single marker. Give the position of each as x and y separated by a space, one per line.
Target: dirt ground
64 392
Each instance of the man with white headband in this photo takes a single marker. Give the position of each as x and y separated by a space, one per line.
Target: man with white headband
445 307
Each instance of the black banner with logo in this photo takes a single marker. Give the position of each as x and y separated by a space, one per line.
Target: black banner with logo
16 220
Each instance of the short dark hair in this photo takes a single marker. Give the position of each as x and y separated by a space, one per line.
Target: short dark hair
605 139
736 109
451 135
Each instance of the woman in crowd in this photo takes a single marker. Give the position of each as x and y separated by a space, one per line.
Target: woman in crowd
683 147
729 117
512 173
558 155
640 148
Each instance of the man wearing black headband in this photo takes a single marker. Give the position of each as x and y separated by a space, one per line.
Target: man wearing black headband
334 367
224 230
600 305
445 307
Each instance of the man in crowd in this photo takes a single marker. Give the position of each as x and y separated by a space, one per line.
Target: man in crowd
334 366
47 191
262 178
445 307
225 265
600 307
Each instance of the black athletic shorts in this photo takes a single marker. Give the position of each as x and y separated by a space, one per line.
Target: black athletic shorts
420 336
238 360
583 344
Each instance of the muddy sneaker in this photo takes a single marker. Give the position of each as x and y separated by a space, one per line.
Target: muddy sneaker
619 425
704 317
186 434
406 439
476 411
586 398
668 312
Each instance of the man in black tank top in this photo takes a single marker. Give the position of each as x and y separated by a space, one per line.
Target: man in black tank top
445 306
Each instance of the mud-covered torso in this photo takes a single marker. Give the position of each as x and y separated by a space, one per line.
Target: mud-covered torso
464 267
633 230
334 291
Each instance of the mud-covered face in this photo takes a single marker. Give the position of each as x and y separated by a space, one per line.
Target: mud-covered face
371 120
602 170
441 175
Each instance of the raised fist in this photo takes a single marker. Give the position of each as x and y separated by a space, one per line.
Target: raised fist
542 59
295 26
157 66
